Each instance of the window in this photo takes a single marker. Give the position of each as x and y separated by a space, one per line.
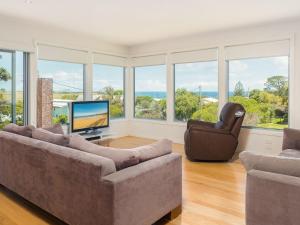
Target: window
196 91
108 84
150 92
13 96
261 86
67 85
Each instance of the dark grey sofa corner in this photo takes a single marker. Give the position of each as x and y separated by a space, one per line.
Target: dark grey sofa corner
85 189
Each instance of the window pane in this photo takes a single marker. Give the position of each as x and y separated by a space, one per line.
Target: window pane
261 86
5 88
150 92
108 84
11 88
196 91
19 88
67 85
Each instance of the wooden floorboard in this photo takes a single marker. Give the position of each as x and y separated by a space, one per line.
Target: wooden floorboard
213 194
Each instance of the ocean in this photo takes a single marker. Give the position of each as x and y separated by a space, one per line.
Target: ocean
162 94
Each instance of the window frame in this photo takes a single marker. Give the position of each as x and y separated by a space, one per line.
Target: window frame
124 87
84 79
174 85
289 90
134 92
25 73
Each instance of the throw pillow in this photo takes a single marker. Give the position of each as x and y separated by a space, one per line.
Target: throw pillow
122 158
47 136
21 130
56 129
159 148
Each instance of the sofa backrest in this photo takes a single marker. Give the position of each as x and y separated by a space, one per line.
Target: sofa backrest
17 144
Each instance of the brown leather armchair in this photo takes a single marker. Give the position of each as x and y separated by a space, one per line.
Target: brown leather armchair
205 141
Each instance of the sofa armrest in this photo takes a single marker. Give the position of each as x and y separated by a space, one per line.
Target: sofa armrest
272 199
291 139
147 191
274 164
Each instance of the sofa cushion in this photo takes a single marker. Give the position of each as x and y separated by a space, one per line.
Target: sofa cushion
159 148
47 136
21 130
56 129
290 153
122 158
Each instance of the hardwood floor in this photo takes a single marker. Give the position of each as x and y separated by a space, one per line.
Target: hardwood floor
213 194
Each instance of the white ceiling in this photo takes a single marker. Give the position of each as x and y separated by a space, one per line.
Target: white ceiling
132 22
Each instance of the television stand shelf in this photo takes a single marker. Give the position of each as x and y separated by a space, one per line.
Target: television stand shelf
102 138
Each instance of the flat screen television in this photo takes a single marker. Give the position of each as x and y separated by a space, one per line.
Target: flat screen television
89 115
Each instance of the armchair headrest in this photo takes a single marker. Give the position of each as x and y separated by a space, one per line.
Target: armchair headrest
230 112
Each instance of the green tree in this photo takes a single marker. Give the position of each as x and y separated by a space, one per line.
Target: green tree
70 96
116 111
163 108
265 97
277 85
5 107
252 109
115 98
186 103
62 119
4 74
143 102
208 112
239 89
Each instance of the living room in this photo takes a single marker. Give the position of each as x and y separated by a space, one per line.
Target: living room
195 106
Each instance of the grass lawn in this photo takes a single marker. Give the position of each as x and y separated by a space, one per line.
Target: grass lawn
272 126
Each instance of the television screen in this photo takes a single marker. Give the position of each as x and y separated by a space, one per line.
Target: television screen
89 115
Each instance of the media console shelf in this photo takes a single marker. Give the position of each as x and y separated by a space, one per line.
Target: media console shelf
102 138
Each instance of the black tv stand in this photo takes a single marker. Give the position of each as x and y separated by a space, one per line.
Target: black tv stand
91 132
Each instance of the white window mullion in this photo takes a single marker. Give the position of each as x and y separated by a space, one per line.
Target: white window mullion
129 95
170 90
88 80
222 78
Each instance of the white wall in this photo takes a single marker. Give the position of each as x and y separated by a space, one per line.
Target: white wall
263 141
17 34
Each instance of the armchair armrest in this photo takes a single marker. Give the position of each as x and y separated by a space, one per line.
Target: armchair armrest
210 129
199 123
274 164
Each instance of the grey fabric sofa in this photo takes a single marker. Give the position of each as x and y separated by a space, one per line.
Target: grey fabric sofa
273 184
85 189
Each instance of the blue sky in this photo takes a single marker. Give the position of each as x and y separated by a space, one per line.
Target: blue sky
253 73
105 75
6 62
66 76
193 75
89 109
69 76
150 78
